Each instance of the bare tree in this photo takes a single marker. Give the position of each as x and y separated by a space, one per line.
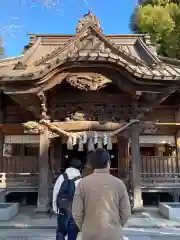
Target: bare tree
45 3
12 28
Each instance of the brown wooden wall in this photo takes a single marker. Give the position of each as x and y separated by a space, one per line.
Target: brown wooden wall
19 164
162 115
14 113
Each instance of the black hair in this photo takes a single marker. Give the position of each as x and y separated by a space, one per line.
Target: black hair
76 163
99 159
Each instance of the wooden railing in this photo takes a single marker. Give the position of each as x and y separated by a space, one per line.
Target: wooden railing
155 170
159 165
18 180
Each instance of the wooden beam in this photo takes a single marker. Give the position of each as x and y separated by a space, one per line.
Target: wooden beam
156 101
167 123
12 129
136 168
43 190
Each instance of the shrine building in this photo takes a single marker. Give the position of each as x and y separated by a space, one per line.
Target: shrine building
69 94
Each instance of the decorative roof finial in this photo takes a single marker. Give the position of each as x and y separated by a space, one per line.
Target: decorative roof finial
89 19
89 11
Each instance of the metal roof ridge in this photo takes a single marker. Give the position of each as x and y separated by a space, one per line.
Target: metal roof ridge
148 51
170 60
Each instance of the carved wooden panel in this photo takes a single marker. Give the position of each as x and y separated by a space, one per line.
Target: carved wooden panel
87 81
107 104
162 115
92 111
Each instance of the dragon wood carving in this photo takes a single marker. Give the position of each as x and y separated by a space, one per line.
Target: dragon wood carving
88 81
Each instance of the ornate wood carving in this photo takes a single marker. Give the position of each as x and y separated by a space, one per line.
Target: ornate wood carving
43 105
92 112
149 128
20 66
89 19
32 127
88 81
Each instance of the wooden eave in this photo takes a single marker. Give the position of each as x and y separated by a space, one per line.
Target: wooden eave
134 66
57 75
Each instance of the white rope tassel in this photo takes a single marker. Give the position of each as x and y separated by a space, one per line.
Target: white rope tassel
95 138
109 143
85 138
74 140
70 143
100 145
105 139
90 145
81 145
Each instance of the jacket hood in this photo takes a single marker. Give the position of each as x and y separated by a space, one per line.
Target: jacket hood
72 172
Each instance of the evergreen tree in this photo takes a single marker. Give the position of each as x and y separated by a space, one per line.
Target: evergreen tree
161 20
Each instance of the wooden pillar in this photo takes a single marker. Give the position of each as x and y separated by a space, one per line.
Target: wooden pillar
122 157
43 196
2 107
178 151
177 137
136 168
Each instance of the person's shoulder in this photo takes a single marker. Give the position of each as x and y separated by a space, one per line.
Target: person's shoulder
59 177
86 179
117 180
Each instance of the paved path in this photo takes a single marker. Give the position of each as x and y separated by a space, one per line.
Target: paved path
27 234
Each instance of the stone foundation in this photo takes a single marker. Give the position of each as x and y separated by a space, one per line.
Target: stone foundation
8 211
170 210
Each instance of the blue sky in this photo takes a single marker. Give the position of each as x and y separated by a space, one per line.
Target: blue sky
114 16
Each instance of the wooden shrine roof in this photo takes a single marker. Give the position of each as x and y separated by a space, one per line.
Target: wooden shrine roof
47 53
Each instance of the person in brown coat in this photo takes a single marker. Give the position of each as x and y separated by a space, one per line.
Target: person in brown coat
101 204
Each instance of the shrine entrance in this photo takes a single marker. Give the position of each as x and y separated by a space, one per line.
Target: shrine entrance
68 155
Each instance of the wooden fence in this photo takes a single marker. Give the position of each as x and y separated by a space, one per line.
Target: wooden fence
159 165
